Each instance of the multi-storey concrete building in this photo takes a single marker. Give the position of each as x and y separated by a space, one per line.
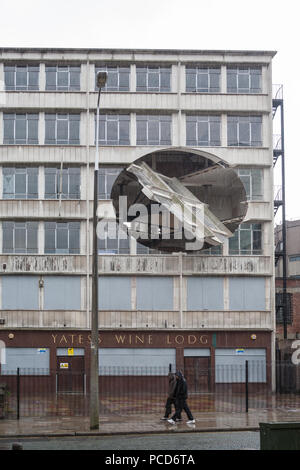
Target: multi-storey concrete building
201 310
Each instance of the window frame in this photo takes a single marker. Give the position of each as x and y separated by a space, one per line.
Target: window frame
104 120
251 177
158 71
27 86
29 130
244 71
28 172
66 173
199 71
13 227
234 127
237 238
58 227
70 69
119 70
107 171
59 118
211 120
149 118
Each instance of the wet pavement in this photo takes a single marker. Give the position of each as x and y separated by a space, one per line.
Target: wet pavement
149 423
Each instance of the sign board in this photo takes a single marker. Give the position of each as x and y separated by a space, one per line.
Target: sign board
70 351
41 350
64 365
239 351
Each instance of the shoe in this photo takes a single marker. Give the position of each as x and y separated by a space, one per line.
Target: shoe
164 419
171 421
191 421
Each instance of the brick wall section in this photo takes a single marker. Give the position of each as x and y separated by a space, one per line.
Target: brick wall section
293 287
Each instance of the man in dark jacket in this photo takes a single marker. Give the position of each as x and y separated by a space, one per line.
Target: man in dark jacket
171 398
181 395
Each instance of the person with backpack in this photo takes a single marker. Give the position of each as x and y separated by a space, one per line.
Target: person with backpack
181 395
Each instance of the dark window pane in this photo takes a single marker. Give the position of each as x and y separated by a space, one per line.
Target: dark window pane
141 132
50 78
191 132
232 133
191 80
203 132
141 81
49 238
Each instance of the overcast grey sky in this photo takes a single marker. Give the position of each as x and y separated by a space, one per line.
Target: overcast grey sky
173 24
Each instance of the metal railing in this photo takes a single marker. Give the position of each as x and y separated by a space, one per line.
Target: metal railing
140 390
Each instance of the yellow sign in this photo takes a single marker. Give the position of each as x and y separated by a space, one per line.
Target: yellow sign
70 351
64 365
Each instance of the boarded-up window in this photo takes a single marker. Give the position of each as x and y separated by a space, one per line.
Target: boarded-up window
30 361
154 293
205 293
136 361
20 292
247 293
114 293
62 293
230 365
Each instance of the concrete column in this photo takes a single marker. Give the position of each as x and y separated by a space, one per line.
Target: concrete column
132 78
42 77
223 79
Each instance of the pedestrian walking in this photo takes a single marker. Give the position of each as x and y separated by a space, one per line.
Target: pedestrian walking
171 398
181 395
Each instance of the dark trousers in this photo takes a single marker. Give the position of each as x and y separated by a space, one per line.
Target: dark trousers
169 403
181 404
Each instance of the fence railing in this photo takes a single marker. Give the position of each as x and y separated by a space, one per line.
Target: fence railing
140 390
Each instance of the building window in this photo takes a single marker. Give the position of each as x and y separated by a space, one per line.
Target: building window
244 131
153 130
20 237
294 258
62 238
279 300
117 78
247 240
62 78
107 177
252 180
20 128
21 77
153 79
243 79
64 183
113 129
202 79
114 243
20 183
203 131
62 129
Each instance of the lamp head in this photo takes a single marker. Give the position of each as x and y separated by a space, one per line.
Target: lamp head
101 79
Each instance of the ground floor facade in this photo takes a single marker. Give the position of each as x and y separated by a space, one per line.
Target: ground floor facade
207 358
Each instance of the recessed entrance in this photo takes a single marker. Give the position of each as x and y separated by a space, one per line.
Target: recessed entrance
70 373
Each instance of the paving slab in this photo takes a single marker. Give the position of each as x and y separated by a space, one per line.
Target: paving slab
142 424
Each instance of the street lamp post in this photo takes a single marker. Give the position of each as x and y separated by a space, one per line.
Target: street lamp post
94 371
